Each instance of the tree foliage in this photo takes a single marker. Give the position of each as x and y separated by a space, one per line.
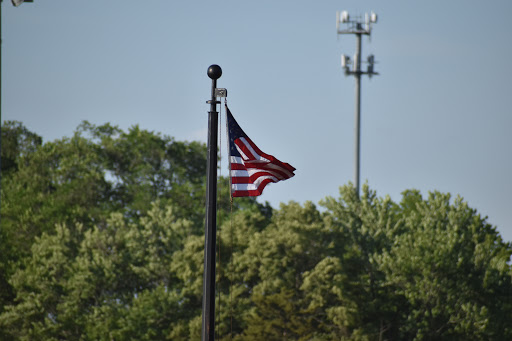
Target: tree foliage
104 240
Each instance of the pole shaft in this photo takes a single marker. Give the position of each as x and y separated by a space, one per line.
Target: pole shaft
208 324
357 113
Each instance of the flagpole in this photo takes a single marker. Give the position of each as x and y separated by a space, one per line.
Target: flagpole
208 324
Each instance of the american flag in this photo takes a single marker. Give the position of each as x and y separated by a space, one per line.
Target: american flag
251 169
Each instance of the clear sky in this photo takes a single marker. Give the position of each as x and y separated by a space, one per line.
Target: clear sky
437 117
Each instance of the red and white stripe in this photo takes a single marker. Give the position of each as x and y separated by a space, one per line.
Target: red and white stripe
251 172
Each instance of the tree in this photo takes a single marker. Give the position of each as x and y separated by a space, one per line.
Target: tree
419 270
115 281
452 269
82 180
99 170
17 141
77 213
272 268
105 239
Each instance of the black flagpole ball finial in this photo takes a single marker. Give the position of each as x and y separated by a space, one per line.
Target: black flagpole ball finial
214 71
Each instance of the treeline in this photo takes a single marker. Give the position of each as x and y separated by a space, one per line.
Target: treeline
102 238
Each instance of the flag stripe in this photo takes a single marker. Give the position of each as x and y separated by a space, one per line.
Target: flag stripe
281 172
248 190
270 157
263 166
244 179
